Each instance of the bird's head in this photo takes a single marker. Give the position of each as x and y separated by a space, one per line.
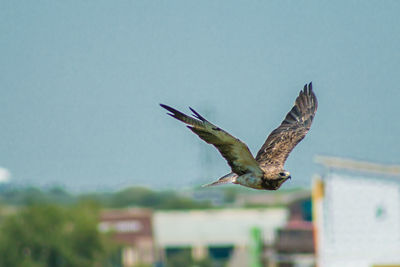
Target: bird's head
282 177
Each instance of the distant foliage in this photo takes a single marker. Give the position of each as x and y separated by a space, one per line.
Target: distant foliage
33 195
137 196
132 196
49 235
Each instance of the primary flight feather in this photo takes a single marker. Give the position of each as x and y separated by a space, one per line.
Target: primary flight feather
266 170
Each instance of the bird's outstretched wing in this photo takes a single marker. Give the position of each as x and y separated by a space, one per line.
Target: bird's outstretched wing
292 130
232 149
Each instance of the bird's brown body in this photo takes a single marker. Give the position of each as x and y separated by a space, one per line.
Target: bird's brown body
265 171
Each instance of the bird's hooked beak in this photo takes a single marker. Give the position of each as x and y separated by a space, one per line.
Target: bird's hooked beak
289 177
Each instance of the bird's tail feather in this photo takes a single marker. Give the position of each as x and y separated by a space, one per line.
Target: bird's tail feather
227 179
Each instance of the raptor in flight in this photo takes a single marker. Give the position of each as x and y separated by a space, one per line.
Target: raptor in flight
265 171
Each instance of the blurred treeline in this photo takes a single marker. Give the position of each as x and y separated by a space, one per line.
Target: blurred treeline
54 235
52 227
132 196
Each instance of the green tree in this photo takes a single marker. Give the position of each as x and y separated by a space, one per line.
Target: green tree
49 235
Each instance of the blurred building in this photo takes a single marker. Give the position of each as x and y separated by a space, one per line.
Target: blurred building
294 245
223 236
356 208
219 234
132 228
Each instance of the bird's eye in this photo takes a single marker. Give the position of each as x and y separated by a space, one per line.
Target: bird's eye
282 174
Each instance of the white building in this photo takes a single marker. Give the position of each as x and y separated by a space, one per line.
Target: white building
202 229
356 209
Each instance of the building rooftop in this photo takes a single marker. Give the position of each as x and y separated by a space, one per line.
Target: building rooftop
356 165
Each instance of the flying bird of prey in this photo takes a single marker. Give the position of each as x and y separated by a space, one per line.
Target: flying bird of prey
266 170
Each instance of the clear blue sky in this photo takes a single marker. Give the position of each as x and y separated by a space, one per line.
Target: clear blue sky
81 81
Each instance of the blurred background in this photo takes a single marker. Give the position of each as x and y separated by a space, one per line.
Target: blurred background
94 173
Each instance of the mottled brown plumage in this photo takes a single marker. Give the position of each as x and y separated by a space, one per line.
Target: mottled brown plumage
266 170
293 129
